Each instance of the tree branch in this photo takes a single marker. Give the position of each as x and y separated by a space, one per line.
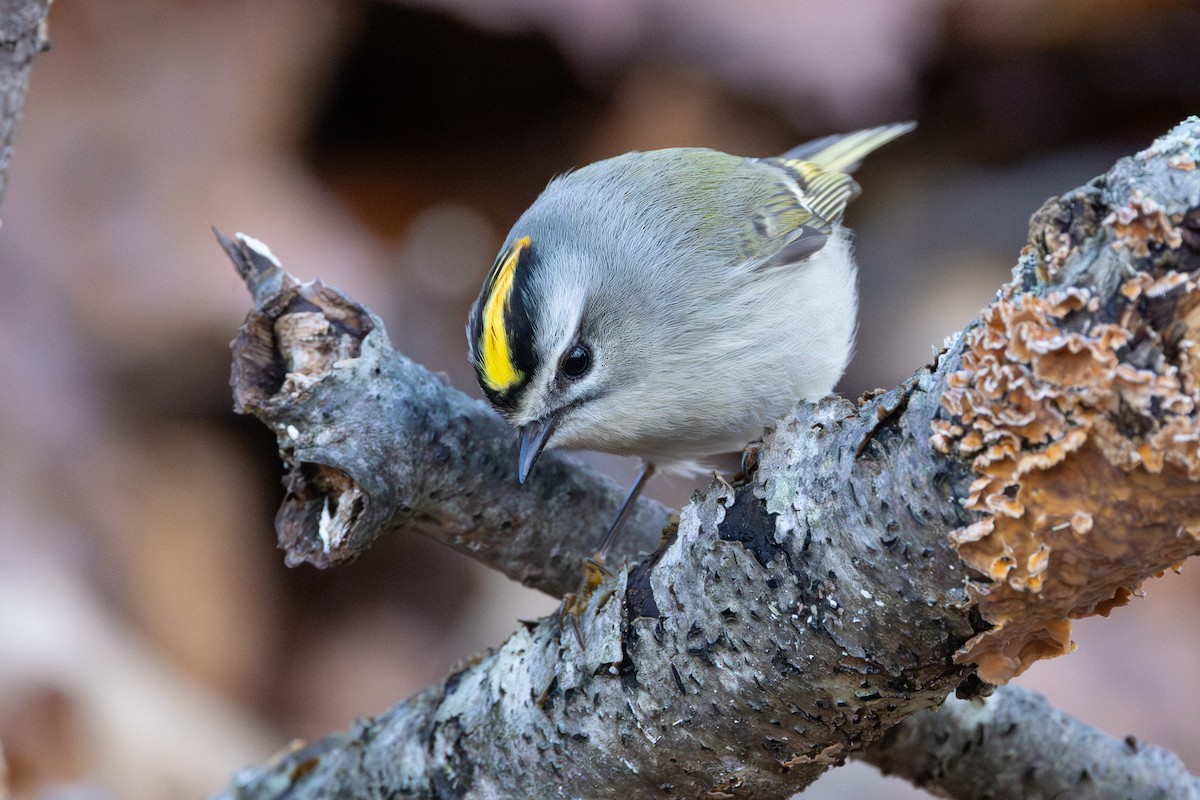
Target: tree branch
1015 745
375 443
881 553
22 36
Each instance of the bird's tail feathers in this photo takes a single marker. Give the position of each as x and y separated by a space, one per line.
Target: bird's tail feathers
843 152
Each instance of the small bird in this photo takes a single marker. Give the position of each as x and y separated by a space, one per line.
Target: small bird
670 304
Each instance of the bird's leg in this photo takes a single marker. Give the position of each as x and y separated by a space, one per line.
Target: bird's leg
618 522
594 570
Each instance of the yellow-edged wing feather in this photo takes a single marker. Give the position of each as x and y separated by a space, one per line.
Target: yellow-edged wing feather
822 167
797 220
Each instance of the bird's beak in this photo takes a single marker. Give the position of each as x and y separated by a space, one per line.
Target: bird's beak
533 439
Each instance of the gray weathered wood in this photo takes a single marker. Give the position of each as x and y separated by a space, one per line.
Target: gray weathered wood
22 36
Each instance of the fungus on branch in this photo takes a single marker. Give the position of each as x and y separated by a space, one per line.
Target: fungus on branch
1076 401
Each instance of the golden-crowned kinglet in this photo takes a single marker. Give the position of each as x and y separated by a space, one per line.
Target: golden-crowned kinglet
670 304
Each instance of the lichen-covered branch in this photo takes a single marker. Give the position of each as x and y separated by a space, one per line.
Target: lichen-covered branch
1014 745
736 662
877 556
22 36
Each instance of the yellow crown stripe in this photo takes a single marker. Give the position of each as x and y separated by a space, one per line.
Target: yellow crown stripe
499 372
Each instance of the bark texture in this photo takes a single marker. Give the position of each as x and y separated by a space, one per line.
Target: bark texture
1016 746
880 554
22 36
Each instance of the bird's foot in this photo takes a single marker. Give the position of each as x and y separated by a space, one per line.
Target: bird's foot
575 603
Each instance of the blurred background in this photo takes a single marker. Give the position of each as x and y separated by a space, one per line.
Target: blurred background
151 642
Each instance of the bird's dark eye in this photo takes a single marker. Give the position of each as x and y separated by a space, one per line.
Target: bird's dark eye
577 362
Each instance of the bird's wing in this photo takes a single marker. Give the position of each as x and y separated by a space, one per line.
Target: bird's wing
811 193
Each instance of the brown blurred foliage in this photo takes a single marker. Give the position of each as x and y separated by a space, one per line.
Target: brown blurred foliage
150 640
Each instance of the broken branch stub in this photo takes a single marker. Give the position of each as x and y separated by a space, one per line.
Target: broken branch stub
374 443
